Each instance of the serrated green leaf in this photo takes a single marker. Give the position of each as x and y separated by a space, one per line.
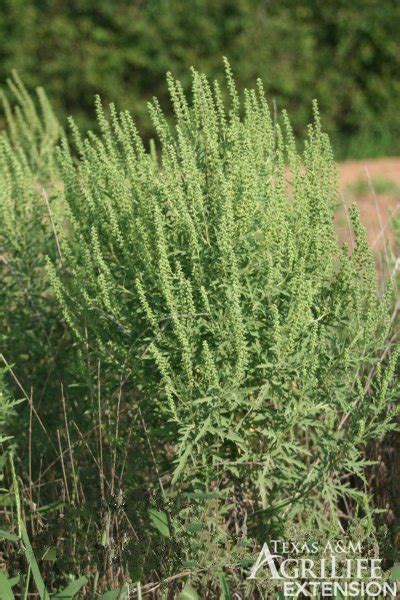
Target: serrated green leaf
194 527
181 464
189 564
110 595
188 593
233 470
159 520
50 554
231 435
118 594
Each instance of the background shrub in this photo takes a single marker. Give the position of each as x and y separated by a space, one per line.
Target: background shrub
344 54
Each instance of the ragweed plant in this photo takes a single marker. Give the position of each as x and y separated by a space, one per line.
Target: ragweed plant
232 354
31 334
7 413
27 171
208 266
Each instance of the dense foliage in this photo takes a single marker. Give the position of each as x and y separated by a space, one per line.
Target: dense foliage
343 53
207 362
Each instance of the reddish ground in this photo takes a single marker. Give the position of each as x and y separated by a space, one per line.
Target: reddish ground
378 168
375 185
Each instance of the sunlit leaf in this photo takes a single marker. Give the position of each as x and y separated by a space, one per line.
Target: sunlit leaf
159 520
6 592
72 589
188 593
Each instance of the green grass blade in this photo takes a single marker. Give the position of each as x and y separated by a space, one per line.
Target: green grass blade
26 584
14 580
226 595
8 536
29 555
72 589
139 590
6 592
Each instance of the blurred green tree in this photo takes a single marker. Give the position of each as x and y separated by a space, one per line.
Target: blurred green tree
342 53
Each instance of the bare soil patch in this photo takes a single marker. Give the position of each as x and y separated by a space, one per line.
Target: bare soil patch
375 185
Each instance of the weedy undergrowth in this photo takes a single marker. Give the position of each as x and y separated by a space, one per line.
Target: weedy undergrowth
7 413
23 580
209 267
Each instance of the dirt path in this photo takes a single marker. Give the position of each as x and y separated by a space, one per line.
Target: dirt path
375 185
377 168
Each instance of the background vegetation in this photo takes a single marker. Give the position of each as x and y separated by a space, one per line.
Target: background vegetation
343 53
